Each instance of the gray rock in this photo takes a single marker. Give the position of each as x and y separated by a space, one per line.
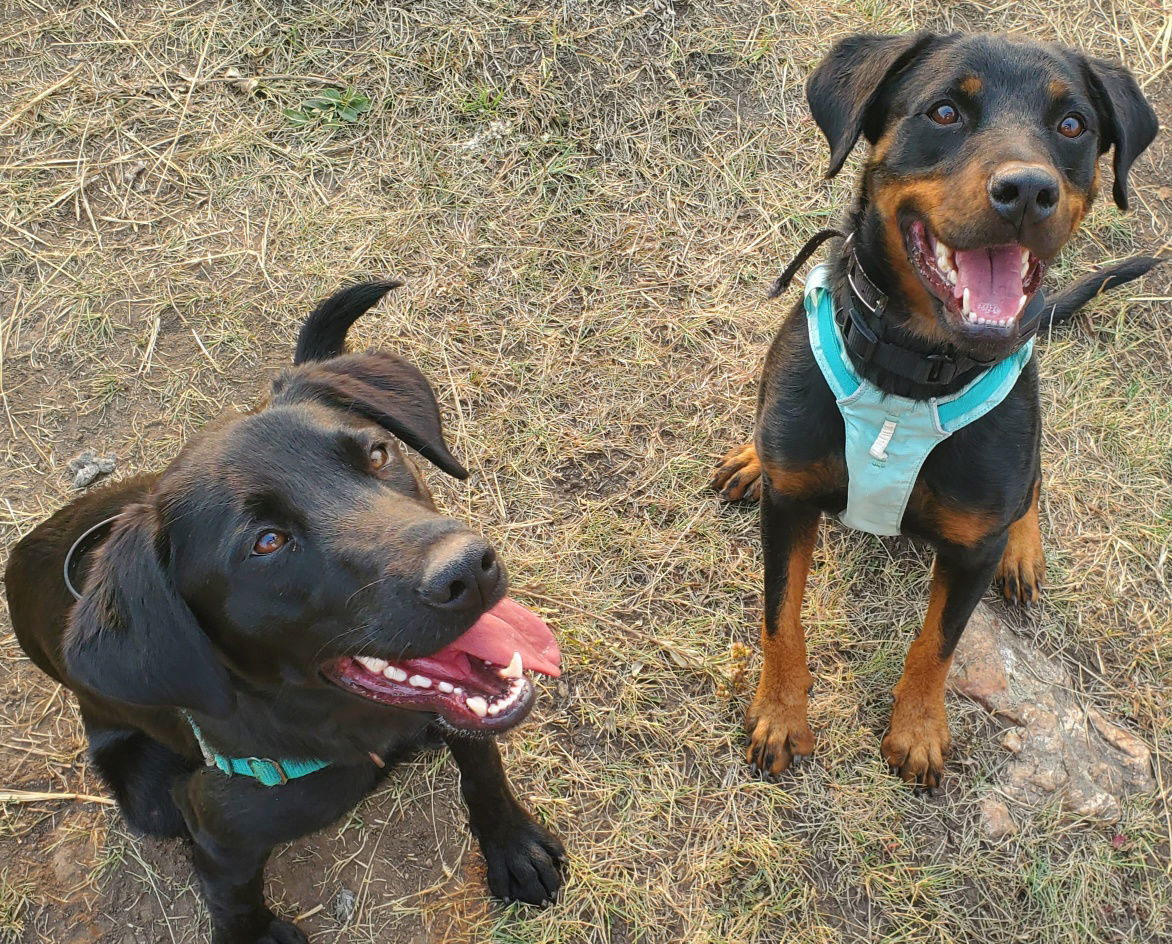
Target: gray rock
1061 749
88 465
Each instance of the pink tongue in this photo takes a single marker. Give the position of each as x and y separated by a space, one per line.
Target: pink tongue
993 278
507 628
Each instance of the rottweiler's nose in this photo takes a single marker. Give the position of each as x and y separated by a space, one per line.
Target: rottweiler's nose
1023 193
462 574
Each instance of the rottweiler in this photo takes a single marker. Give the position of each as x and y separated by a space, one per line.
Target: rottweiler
263 629
983 160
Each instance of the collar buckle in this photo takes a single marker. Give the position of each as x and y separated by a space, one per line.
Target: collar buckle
266 770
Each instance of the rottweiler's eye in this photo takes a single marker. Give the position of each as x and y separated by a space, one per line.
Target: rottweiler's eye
270 542
379 456
944 113
1072 125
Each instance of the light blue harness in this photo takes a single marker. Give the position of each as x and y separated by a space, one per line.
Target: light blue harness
888 437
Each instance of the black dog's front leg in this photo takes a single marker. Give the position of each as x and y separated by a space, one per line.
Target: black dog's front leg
232 880
524 860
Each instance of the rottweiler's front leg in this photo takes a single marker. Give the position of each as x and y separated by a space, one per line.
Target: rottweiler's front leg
524 860
917 740
1023 565
776 721
232 881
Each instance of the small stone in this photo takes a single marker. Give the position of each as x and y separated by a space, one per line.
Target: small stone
345 903
86 466
996 822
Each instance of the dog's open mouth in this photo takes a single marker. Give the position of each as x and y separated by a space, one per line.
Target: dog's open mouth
984 289
476 683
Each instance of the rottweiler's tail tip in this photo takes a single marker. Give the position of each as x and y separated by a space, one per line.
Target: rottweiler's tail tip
323 335
1064 305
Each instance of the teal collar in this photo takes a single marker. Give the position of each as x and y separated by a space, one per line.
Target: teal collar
271 773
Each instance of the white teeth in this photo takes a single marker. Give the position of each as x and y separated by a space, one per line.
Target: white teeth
445 687
1025 262
419 681
944 261
1021 303
495 708
372 665
477 706
513 669
395 674
964 304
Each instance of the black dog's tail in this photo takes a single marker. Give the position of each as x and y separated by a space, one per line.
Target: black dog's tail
1066 303
324 333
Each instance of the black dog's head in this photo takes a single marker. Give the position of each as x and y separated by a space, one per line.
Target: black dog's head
983 163
299 546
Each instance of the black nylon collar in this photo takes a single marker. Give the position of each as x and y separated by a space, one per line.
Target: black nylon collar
864 332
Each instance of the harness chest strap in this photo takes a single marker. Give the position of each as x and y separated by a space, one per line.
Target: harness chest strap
888 437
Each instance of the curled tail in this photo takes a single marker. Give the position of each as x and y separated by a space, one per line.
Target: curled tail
324 333
1063 305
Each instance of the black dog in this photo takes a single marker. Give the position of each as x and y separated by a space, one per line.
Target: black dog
983 161
284 602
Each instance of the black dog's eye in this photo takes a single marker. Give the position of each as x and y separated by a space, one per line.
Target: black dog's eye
270 542
944 113
1072 125
379 456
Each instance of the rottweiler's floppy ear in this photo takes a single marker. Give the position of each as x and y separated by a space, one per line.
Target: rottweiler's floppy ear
131 637
381 387
1128 120
843 90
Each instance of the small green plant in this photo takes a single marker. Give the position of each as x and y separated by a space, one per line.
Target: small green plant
333 108
483 102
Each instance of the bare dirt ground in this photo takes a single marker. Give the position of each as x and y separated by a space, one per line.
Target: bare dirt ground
587 201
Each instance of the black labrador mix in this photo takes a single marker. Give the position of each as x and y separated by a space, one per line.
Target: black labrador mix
267 626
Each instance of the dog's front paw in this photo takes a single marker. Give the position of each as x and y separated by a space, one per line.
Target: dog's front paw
275 932
739 475
524 863
778 734
1022 572
917 743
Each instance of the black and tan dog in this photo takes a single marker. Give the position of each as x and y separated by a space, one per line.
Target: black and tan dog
983 161
285 603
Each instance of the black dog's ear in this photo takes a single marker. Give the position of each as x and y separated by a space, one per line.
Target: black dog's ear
132 638
843 90
381 387
323 335
1128 120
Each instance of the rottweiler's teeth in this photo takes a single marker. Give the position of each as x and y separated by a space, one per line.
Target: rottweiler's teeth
445 687
964 305
1021 303
419 681
1025 262
944 260
477 705
395 674
372 665
513 669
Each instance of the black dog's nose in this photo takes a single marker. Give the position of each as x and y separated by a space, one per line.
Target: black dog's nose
462 574
1023 193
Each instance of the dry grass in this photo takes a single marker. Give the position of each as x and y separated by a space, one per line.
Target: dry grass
587 202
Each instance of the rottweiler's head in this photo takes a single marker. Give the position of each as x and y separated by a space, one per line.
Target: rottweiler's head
298 547
983 162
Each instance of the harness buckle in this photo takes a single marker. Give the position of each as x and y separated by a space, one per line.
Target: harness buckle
941 368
